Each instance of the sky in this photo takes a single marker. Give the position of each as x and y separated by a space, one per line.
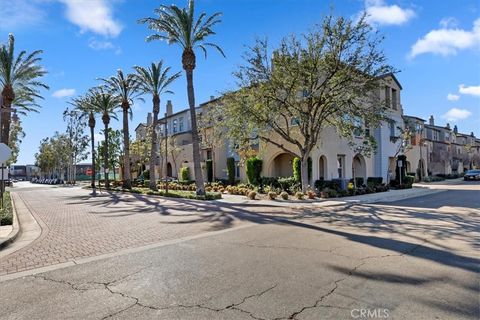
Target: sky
434 44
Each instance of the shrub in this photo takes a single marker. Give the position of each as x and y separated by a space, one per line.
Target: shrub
272 195
146 174
231 170
254 169
299 195
319 184
252 195
6 214
297 169
358 181
209 165
374 181
146 183
284 195
288 184
270 181
409 180
311 194
185 174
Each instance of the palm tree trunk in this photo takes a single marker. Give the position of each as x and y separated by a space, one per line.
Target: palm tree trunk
92 137
195 141
8 95
105 155
127 183
153 151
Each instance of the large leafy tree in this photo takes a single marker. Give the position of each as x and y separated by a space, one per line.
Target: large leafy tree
125 89
328 77
19 80
154 80
179 26
78 141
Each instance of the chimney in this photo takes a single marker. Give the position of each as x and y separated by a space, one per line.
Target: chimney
455 129
431 121
212 97
471 134
169 108
149 119
448 126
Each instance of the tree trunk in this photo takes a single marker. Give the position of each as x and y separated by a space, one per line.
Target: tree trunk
304 172
8 95
127 183
92 135
105 155
153 151
195 141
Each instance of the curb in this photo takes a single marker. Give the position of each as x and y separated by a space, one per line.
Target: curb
16 227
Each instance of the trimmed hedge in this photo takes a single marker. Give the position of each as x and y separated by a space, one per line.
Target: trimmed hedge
231 170
254 170
185 174
209 167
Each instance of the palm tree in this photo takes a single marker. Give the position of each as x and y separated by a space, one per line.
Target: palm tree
125 89
18 74
83 106
154 80
179 26
106 104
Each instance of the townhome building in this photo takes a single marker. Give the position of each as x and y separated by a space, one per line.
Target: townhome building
332 158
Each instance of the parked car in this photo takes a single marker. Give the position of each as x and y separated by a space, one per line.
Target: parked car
472 175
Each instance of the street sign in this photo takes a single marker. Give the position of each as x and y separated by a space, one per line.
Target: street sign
5 152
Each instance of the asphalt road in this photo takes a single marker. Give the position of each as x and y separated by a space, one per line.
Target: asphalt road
413 259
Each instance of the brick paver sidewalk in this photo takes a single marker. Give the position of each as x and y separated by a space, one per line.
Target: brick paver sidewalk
76 225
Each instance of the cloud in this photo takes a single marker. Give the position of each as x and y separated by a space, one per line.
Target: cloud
452 97
455 114
447 40
94 16
20 14
449 22
104 45
378 12
63 93
472 90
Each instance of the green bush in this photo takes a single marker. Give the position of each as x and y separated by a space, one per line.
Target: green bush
209 165
231 170
297 169
6 214
146 174
374 181
254 169
146 183
284 195
409 180
185 174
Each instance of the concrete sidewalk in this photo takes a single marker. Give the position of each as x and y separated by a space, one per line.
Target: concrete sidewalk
389 196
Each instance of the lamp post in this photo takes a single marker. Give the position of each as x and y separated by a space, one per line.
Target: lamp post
164 122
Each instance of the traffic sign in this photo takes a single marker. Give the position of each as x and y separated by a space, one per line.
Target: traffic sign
5 153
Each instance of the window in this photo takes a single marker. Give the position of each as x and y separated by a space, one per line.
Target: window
387 96
394 99
357 122
209 154
175 122
391 126
435 135
180 125
340 165
237 169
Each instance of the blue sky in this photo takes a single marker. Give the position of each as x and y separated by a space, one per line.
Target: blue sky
435 45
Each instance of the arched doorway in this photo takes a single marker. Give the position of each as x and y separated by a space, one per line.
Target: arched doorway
359 169
169 169
283 165
322 168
